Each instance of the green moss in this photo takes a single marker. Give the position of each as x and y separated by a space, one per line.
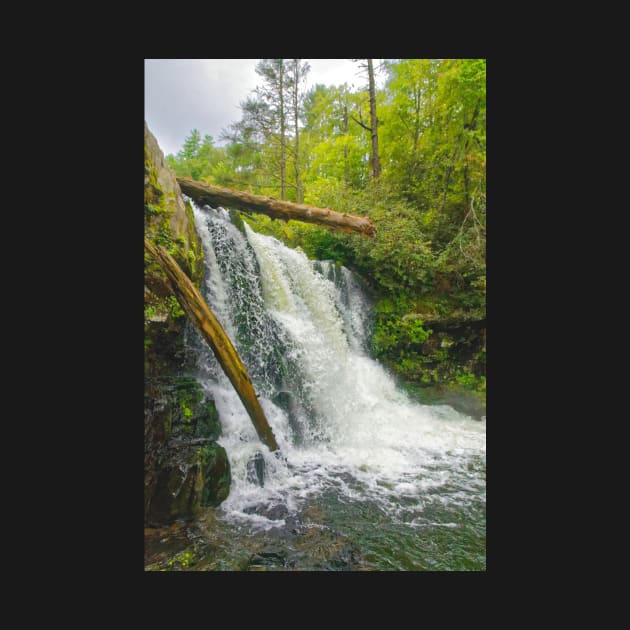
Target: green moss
153 194
237 220
174 308
149 312
216 473
187 412
194 414
164 236
208 424
151 210
192 259
194 256
176 479
470 381
184 559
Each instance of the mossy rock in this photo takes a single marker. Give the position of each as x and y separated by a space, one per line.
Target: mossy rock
177 493
207 421
216 474
180 474
188 477
178 415
195 415
168 222
237 220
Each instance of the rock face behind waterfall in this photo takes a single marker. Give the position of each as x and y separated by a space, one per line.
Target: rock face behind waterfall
184 467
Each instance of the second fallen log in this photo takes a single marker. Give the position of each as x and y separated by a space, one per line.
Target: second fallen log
209 326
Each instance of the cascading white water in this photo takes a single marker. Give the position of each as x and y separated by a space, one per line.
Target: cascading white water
340 421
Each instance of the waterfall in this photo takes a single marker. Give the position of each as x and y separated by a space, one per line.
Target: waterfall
343 426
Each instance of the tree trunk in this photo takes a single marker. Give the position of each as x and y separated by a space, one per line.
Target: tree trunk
216 196
469 126
296 117
283 140
416 123
346 167
376 165
208 325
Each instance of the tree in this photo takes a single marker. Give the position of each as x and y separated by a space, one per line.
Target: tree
297 72
191 145
375 165
268 110
197 159
409 115
335 150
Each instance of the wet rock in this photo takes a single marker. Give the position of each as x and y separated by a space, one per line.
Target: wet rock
193 414
256 469
265 560
175 412
184 467
285 400
216 473
237 220
217 545
176 494
305 547
207 423
277 512
323 549
272 512
168 219
188 477
288 402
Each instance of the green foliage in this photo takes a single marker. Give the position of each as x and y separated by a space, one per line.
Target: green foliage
197 159
429 205
466 379
149 311
205 453
192 259
164 236
322 244
179 562
174 308
395 328
470 381
151 210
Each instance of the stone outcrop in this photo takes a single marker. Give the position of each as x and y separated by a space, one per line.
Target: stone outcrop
184 467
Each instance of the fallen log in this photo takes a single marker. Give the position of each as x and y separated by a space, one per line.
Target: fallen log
209 326
216 196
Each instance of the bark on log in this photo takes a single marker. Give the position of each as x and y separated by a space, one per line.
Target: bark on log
203 318
275 208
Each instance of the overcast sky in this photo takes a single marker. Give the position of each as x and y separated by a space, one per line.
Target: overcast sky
183 94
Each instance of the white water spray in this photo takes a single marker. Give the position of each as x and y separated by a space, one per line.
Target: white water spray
340 421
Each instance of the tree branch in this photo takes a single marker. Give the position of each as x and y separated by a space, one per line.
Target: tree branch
360 123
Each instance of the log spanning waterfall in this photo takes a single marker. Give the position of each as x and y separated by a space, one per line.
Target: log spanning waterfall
406 481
